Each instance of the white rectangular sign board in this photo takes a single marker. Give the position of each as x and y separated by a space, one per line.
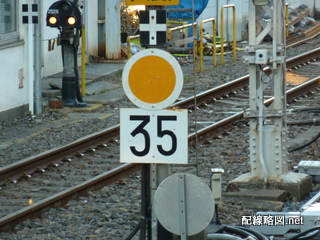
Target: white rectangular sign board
154 136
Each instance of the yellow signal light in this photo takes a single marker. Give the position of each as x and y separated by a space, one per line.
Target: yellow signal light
71 20
53 20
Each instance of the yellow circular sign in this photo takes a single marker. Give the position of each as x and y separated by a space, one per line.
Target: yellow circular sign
152 79
155 84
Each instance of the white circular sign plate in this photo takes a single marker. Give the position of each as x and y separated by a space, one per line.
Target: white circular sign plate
152 79
198 199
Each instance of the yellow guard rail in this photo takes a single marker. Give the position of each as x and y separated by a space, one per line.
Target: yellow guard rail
214 48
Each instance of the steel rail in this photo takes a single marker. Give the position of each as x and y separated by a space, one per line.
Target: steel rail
81 145
32 211
226 123
242 82
56 155
61 198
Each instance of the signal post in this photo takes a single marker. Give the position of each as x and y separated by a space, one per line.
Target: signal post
153 34
65 16
152 79
151 135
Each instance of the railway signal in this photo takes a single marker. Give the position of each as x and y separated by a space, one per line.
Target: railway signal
64 14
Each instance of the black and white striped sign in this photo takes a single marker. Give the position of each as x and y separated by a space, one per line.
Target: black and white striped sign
153 28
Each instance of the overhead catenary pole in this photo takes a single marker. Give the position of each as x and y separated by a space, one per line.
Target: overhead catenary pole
268 150
267 123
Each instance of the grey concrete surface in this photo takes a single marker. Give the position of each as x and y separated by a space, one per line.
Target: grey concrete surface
103 83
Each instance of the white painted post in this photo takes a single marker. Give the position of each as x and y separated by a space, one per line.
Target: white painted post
112 29
267 123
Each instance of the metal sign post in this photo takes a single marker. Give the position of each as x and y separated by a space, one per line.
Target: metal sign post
152 135
30 16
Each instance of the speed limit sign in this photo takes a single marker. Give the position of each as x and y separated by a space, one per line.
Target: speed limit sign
154 136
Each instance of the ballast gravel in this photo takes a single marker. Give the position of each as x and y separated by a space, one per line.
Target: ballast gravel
114 211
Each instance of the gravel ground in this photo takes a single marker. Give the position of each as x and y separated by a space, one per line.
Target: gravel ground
113 212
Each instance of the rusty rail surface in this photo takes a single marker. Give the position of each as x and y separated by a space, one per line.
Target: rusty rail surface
60 154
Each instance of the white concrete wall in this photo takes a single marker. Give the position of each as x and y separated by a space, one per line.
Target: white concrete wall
14 67
52 62
14 80
209 12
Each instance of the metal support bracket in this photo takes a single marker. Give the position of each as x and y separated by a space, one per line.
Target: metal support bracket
183 207
252 50
266 114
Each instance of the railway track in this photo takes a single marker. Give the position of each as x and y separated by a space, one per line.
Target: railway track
105 143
